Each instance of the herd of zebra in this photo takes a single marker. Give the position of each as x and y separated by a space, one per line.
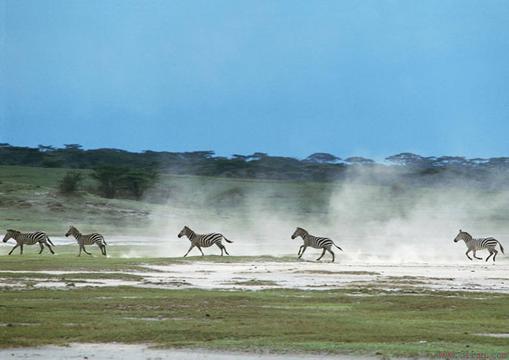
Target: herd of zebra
41 238
206 240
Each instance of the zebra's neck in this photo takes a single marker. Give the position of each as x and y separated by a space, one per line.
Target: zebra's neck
191 234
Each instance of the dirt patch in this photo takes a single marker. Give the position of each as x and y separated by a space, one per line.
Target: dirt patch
255 282
336 272
500 335
116 351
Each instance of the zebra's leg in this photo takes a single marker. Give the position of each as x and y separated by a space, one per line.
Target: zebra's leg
224 248
79 254
50 248
332 253
478 258
15 246
103 249
491 253
42 248
300 249
191 248
321 256
494 256
199 248
302 253
85 250
467 254
21 249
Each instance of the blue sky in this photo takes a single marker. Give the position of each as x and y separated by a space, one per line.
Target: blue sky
369 78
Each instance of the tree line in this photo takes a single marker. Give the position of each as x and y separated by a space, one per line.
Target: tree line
121 172
113 182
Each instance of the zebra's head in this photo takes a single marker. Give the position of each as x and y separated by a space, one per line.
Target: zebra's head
184 232
72 231
299 232
463 235
10 234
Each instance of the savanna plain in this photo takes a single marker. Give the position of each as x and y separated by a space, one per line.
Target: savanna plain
400 288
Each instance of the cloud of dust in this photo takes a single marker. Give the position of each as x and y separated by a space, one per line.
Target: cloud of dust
396 223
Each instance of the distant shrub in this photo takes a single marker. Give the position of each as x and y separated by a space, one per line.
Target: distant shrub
109 179
71 182
120 182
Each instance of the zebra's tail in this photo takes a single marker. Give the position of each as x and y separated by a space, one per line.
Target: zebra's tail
229 241
342 249
501 247
51 242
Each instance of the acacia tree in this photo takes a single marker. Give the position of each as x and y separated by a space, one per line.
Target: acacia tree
70 183
120 181
109 178
139 181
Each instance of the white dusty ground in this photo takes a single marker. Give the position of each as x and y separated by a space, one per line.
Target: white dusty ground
390 268
138 352
253 275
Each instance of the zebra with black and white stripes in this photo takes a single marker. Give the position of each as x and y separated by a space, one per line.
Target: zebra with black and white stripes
28 239
479 244
204 240
315 242
89 239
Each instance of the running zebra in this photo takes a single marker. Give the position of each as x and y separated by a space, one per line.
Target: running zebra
479 244
203 240
28 239
89 239
315 242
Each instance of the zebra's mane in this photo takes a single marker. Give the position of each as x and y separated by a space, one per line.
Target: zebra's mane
467 235
13 231
74 229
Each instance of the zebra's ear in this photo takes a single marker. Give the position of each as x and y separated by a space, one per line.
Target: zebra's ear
461 231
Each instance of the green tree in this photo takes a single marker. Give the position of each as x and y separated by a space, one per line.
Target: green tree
70 183
139 181
110 179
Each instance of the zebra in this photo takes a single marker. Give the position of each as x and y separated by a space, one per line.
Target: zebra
28 239
315 242
479 244
89 239
203 240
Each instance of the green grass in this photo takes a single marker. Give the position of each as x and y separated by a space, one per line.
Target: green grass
362 318
277 320
29 200
66 259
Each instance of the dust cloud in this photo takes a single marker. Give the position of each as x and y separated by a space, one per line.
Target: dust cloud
393 222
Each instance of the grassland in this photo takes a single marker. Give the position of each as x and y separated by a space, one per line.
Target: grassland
29 199
363 319
360 319
278 320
